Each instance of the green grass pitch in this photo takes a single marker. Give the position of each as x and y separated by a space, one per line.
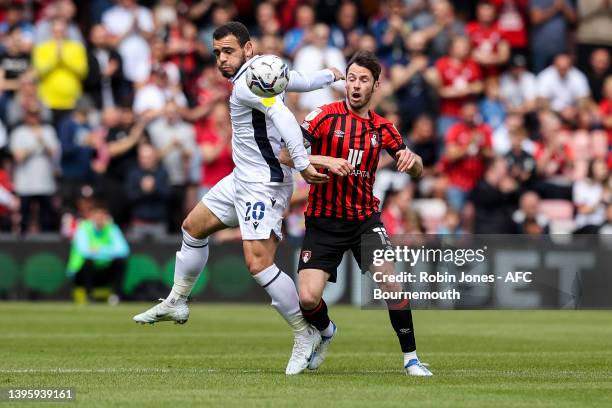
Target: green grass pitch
231 355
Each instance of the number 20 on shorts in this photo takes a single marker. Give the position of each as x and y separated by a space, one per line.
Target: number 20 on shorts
255 211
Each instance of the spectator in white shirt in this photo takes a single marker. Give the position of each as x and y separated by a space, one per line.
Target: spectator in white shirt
131 25
588 196
319 55
64 10
35 149
518 87
151 99
174 140
563 88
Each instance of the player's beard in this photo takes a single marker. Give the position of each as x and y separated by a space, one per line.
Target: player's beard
236 68
365 101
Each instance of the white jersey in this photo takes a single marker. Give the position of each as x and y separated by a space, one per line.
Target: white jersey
256 138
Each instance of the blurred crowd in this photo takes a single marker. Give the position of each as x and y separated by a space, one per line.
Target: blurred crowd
509 103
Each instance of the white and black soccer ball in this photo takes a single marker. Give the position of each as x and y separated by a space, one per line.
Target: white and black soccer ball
267 76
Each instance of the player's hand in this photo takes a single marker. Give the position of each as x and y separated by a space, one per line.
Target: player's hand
339 166
312 176
338 75
409 162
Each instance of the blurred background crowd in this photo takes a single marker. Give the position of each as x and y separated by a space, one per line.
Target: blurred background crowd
509 102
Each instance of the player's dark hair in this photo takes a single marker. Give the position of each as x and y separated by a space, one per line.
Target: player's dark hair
234 28
367 60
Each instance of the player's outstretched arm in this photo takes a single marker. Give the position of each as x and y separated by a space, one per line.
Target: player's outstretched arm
283 119
310 81
338 166
285 122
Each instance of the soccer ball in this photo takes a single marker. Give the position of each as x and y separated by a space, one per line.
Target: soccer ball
267 76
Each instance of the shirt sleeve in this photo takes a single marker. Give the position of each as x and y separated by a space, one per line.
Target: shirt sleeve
81 242
476 72
391 139
314 124
284 121
451 135
543 88
309 81
5 197
529 86
118 248
581 85
488 138
17 140
145 20
74 56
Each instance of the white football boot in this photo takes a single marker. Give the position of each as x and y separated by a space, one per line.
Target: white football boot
304 344
416 368
321 351
162 312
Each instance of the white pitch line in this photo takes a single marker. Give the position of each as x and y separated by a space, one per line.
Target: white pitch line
102 370
163 371
468 372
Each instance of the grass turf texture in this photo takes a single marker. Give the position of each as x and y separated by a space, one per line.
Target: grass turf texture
230 355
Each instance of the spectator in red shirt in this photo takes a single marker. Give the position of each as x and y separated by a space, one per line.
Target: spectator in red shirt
605 107
489 48
215 142
512 22
8 201
468 147
186 52
554 159
397 204
458 79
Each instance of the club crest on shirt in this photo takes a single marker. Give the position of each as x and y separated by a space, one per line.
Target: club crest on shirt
306 255
374 138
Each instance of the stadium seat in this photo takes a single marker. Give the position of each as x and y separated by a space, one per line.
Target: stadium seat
9 273
431 211
140 269
44 273
557 210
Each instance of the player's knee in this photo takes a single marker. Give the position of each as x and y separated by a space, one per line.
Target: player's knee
256 264
309 299
193 228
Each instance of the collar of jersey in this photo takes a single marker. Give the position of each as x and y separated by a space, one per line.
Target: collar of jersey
356 116
243 68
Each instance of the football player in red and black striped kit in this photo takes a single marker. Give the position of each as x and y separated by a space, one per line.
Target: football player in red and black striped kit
346 138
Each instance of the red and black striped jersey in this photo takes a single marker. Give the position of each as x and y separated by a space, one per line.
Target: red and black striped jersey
333 130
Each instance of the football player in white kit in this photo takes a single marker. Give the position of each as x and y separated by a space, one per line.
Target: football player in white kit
254 196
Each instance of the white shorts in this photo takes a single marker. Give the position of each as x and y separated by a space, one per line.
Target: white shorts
258 208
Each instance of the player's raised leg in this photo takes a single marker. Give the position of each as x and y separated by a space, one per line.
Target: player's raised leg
190 261
259 256
311 285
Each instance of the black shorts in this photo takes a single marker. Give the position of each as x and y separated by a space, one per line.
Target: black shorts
327 239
